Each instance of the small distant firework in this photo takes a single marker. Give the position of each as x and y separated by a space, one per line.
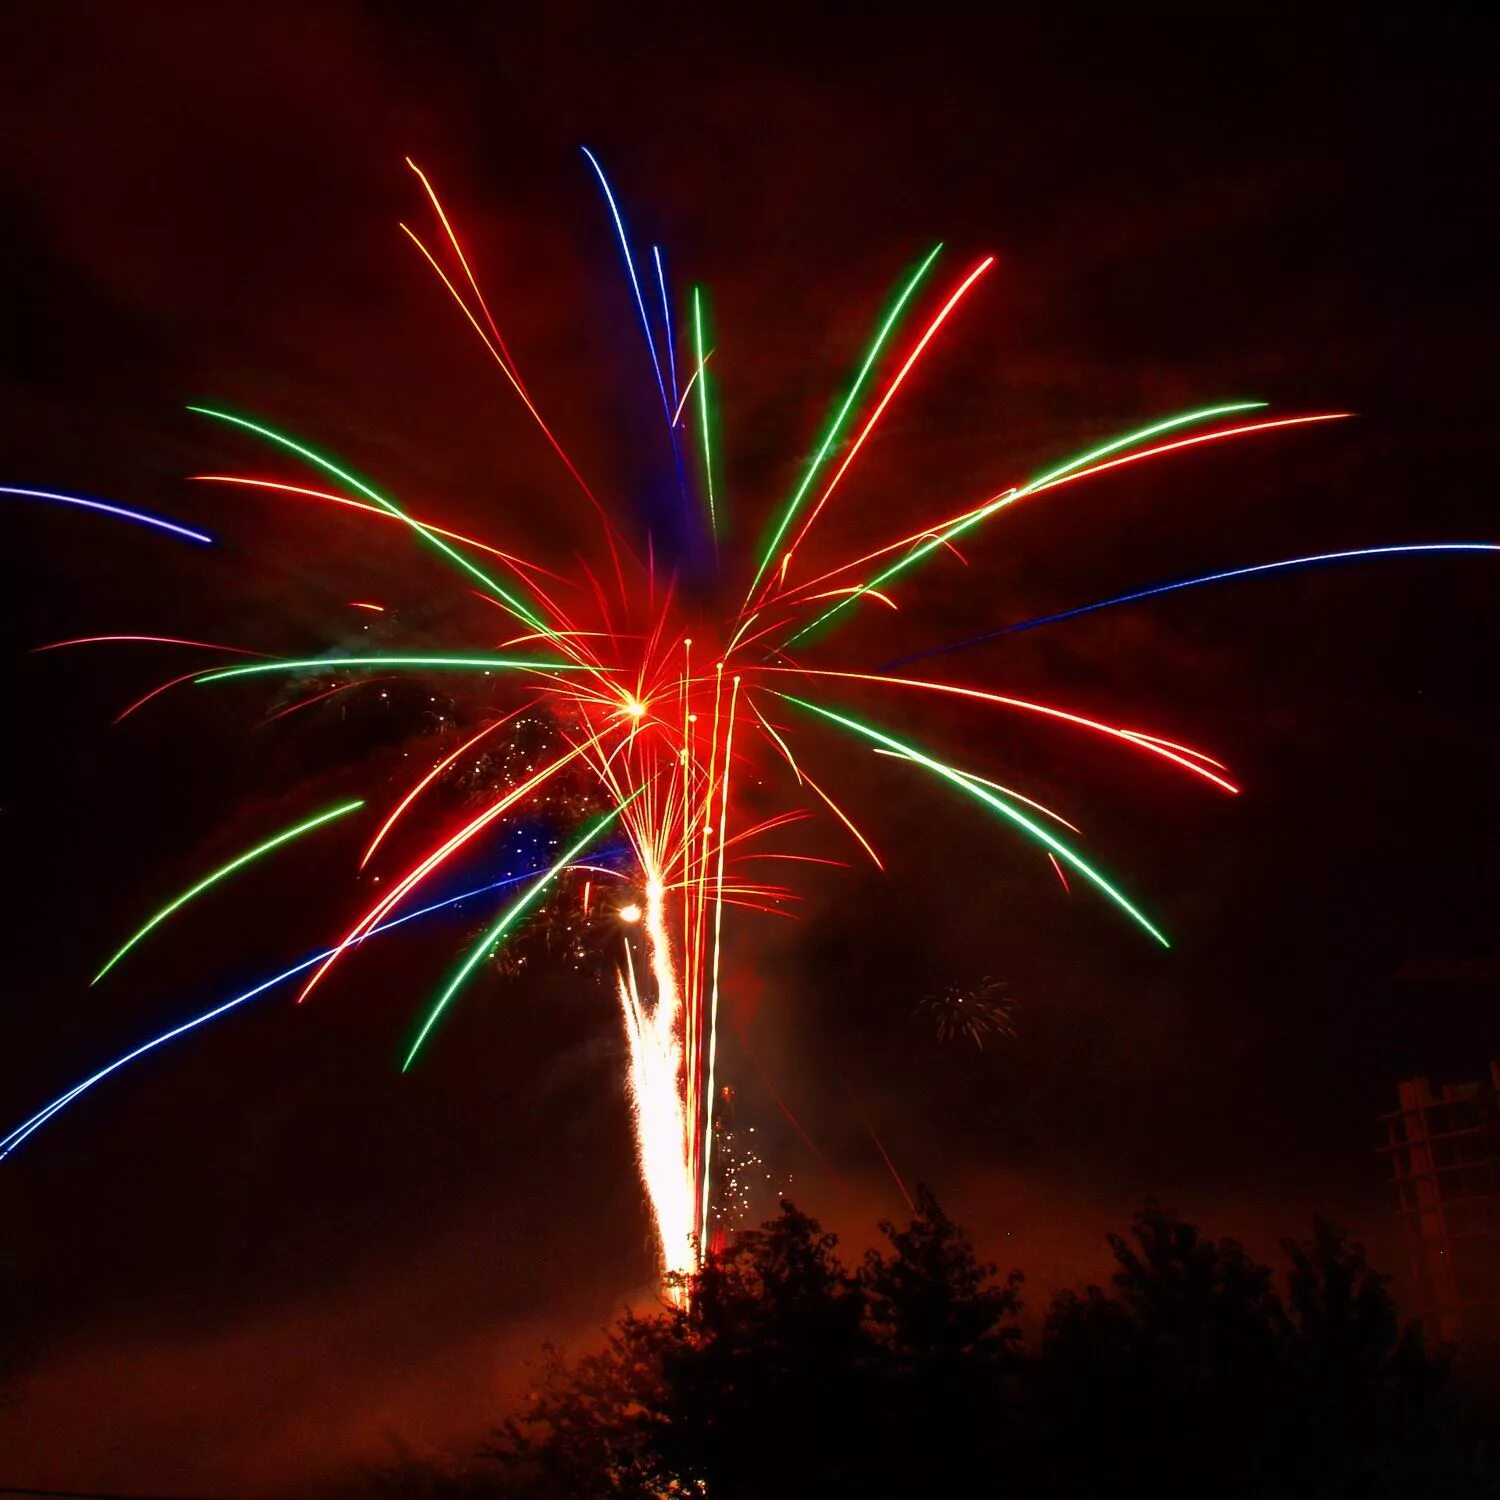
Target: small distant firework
976 1013
595 755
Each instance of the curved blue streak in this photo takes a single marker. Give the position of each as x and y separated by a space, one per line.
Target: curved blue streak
666 318
1189 583
635 284
640 302
10 1142
124 511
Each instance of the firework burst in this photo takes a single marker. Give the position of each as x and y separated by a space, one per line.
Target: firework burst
624 723
975 1013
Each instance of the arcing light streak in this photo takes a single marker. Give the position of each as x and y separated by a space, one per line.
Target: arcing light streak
424 867
508 918
960 779
428 779
635 284
514 378
123 511
213 879
837 425
666 319
314 663
973 518
702 378
1067 475
1190 583
687 390
156 640
885 401
271 435
713 1013
1007 791
504 358
9 1143
1156 739
885 599
1151 744
463 260
940 532
517 563
319 697
879 1146
804 779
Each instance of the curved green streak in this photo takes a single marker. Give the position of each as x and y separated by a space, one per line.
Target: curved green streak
1029 488
708 462
965 783
508 918
838 422
219 874
314 662
517 606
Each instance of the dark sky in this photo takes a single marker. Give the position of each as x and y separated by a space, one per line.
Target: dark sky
259 1254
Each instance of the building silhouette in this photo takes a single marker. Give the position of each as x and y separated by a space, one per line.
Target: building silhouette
1444 1150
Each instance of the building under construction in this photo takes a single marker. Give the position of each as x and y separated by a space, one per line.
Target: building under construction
1444 1149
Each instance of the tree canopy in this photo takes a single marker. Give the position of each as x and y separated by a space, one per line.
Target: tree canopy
788 1374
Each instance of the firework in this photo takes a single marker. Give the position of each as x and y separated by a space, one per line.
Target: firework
655 714
971 1012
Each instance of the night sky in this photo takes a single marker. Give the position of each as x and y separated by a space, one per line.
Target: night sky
261 1254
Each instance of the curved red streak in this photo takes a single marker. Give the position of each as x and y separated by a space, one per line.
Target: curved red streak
890 1165
458 250
777 820
425 866
855 589
838 812
1156 739
609 529
142 702
1006 791
1189 442
281 713
161 640
781 1104
769 911
885 400
516 563
932 530
1131 737
436 771
801 859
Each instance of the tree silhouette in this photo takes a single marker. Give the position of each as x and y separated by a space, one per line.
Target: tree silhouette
948 1341
758 1383
1369 1410
1181 1360
785 1374
1195 1363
